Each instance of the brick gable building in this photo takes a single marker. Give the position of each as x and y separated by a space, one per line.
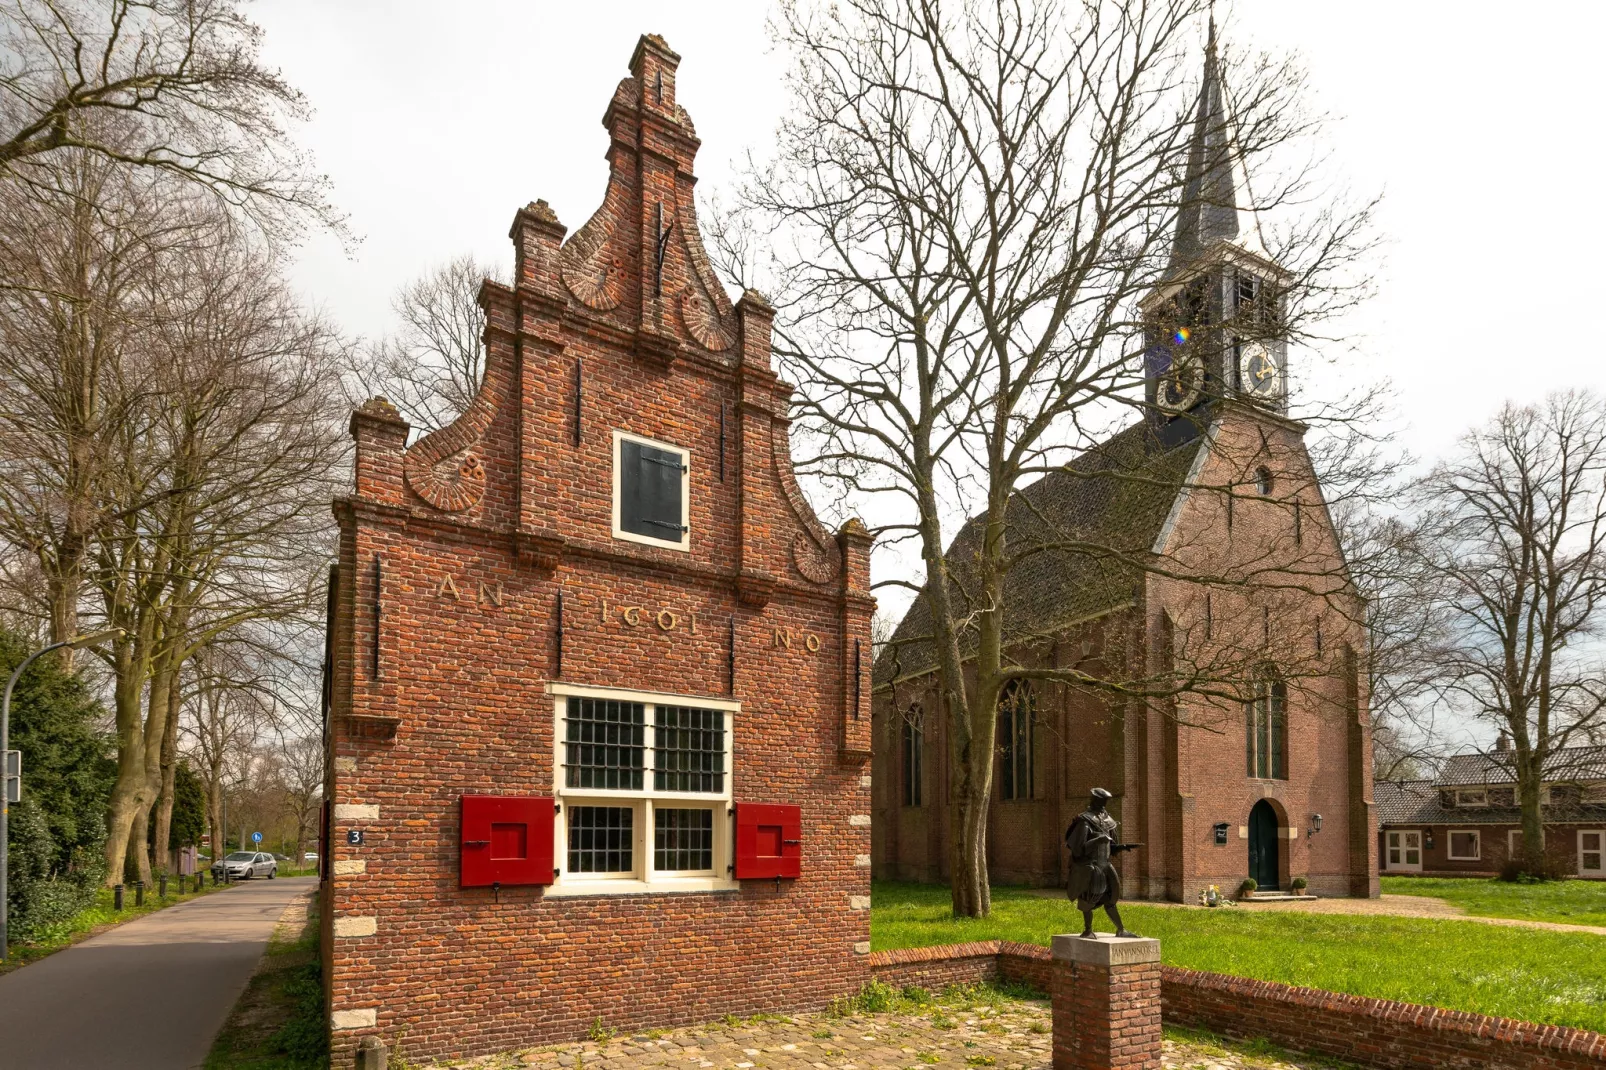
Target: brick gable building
1467 821
1195 542
599 712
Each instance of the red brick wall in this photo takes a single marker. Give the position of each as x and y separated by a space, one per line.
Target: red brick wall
516 513
1178 768
1373 1032
1561 847
935 968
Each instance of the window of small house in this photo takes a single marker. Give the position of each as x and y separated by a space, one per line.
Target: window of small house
1017 740
1464 845
643 789
1514 842
1472 797
1266 728
1263 481
914 745
650 492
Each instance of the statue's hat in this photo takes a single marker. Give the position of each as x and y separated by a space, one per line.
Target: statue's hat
1100 793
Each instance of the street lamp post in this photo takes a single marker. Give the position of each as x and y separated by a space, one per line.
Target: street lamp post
5 793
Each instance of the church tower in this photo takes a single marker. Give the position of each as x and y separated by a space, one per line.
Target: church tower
1214 325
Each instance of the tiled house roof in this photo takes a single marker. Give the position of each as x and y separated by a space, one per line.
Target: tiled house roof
1400 802
1497 767
1110 503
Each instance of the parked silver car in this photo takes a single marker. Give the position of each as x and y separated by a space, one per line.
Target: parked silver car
243 865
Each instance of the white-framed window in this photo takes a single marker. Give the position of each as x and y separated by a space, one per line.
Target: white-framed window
1514 842
1404 849
1465 845
651 492
1592 852
1471 797
643 784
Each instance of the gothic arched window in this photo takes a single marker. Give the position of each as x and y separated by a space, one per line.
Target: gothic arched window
914 746
1017 740
1266 728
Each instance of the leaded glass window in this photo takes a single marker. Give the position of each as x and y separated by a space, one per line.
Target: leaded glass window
604 744
1017 740
1266 729
602 839
683 839
688 749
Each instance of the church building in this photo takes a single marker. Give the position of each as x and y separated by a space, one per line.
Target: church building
599 687
1195 570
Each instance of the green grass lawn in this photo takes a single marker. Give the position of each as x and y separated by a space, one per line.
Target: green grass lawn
1530 974
1572 902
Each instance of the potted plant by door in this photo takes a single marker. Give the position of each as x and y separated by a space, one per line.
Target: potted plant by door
1299 885
1246 890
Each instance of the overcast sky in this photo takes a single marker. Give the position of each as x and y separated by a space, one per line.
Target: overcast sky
1481 129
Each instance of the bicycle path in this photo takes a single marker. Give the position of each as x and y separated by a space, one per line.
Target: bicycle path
148 995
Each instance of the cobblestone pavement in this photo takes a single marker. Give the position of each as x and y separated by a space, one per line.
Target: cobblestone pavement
951 1034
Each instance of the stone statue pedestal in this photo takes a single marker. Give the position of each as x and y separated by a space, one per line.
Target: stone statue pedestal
1106 999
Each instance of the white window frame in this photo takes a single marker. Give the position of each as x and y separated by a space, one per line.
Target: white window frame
684 545
1396 843
1514 841
1601 870
643 878
1472 797
1477 845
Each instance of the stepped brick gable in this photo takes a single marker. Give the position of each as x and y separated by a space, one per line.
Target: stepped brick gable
593 658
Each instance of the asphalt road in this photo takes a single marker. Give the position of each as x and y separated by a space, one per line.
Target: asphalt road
148 995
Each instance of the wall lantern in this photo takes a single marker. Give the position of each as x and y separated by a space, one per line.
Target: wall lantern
1315 824
1427 839
1220 829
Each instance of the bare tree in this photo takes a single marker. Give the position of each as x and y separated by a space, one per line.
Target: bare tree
431 367
76 248
245 443
301 767
175 86
1514 532
968 204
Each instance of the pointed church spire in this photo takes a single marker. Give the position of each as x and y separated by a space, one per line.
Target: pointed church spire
1209 210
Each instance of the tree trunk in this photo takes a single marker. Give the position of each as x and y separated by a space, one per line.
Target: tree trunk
128 794
164 804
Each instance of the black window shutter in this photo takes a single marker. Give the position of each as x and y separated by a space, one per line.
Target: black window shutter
650 492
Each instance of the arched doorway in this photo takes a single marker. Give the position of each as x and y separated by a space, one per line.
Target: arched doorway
1263 861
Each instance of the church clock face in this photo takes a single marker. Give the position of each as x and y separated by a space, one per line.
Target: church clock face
1258 370
1182 385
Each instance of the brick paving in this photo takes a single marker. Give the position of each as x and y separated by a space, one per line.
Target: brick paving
954 1033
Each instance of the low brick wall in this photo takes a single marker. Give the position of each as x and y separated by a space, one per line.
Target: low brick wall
1371 1032
935 968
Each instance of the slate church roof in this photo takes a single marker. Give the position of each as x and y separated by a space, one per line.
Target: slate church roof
1109 505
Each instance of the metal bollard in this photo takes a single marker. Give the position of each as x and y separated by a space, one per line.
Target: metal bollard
139 893
117 897
372 1054
161 887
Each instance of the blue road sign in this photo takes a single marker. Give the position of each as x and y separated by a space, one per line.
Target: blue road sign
256 837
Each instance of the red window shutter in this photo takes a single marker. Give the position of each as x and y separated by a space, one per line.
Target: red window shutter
507 840
769 841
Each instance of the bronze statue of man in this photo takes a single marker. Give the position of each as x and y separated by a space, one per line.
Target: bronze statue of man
1094 882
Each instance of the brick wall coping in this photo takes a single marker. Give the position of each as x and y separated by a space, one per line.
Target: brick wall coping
976 949
1468 1023
1538 1038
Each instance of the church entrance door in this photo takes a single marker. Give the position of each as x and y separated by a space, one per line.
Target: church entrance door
1263 846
